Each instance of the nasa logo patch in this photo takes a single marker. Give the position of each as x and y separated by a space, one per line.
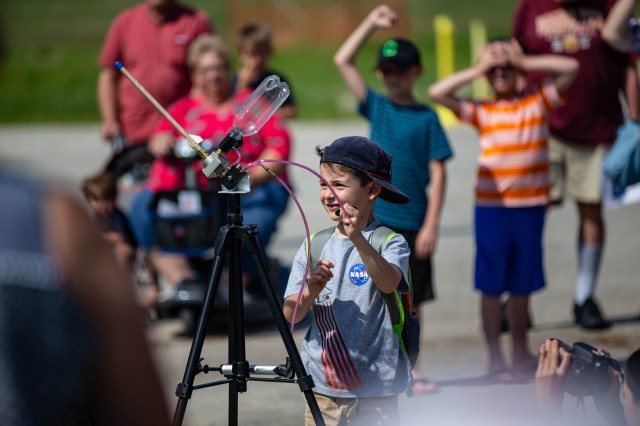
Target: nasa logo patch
358 274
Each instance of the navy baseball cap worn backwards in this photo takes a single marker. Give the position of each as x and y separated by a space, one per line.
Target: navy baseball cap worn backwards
362 154
398 52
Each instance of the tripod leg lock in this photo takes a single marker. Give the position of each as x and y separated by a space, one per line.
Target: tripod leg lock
306 383
183 390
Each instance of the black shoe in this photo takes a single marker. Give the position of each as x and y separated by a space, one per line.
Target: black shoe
588 315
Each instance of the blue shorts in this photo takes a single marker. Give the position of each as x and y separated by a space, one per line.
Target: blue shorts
509 256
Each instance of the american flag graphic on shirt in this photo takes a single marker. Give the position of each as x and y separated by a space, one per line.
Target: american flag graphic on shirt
339 370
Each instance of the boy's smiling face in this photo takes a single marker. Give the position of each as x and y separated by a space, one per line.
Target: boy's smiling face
349 188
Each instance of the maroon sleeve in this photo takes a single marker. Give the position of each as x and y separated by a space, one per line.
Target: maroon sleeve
111 49
203 25
520 24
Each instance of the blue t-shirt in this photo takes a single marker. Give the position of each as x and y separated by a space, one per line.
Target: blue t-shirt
413 136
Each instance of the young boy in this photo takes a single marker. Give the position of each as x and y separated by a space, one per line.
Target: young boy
412 134
351 350
512 185
254 52
101 193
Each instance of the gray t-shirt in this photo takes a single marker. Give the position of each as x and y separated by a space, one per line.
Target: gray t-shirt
351 350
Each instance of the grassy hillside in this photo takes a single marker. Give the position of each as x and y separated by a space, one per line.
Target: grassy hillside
49 68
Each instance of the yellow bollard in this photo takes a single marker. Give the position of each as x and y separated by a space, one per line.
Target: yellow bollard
477 40
443 27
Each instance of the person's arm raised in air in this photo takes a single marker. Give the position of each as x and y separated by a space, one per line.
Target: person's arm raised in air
615 30
444 91
563 68
380 17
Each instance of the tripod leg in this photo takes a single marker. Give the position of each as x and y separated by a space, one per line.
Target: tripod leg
304 381
185 388
237 352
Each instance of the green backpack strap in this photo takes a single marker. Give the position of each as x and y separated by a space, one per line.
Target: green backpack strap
379 239
318 241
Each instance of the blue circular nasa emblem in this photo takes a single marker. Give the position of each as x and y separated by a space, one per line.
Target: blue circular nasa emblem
358 274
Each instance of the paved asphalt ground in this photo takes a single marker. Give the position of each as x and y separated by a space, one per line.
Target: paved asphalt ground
453 354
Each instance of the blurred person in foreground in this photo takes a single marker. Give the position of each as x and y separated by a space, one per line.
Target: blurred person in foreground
151 40
72 344
591 32
619 405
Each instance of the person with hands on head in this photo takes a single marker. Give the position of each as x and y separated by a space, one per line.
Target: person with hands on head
620 405
512 185
412 134
351 350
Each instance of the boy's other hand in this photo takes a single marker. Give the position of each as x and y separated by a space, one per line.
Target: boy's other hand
493 55
383 17
319 276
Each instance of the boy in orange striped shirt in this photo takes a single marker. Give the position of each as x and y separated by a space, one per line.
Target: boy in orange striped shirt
512 184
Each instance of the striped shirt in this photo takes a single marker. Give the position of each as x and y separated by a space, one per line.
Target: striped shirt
513 166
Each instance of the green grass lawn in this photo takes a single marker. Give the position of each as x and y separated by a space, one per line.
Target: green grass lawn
51 47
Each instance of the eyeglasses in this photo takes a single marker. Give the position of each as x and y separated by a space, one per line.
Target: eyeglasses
219 69
503 70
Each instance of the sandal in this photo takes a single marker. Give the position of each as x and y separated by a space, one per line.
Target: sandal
423 386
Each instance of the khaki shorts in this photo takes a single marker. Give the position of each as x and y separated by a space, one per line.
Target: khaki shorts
355 411
576 170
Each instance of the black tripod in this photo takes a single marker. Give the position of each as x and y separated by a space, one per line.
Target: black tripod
230 240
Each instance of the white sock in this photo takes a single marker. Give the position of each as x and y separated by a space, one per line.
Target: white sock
589 256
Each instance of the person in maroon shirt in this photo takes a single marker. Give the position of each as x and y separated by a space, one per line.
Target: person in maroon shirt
151 40
591 31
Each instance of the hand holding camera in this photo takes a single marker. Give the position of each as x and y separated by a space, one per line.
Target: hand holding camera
553 363
580 370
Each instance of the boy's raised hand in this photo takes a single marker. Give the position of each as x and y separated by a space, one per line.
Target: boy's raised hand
352 224
383 17
515 54
493 55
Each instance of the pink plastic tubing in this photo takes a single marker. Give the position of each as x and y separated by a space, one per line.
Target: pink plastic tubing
304 218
